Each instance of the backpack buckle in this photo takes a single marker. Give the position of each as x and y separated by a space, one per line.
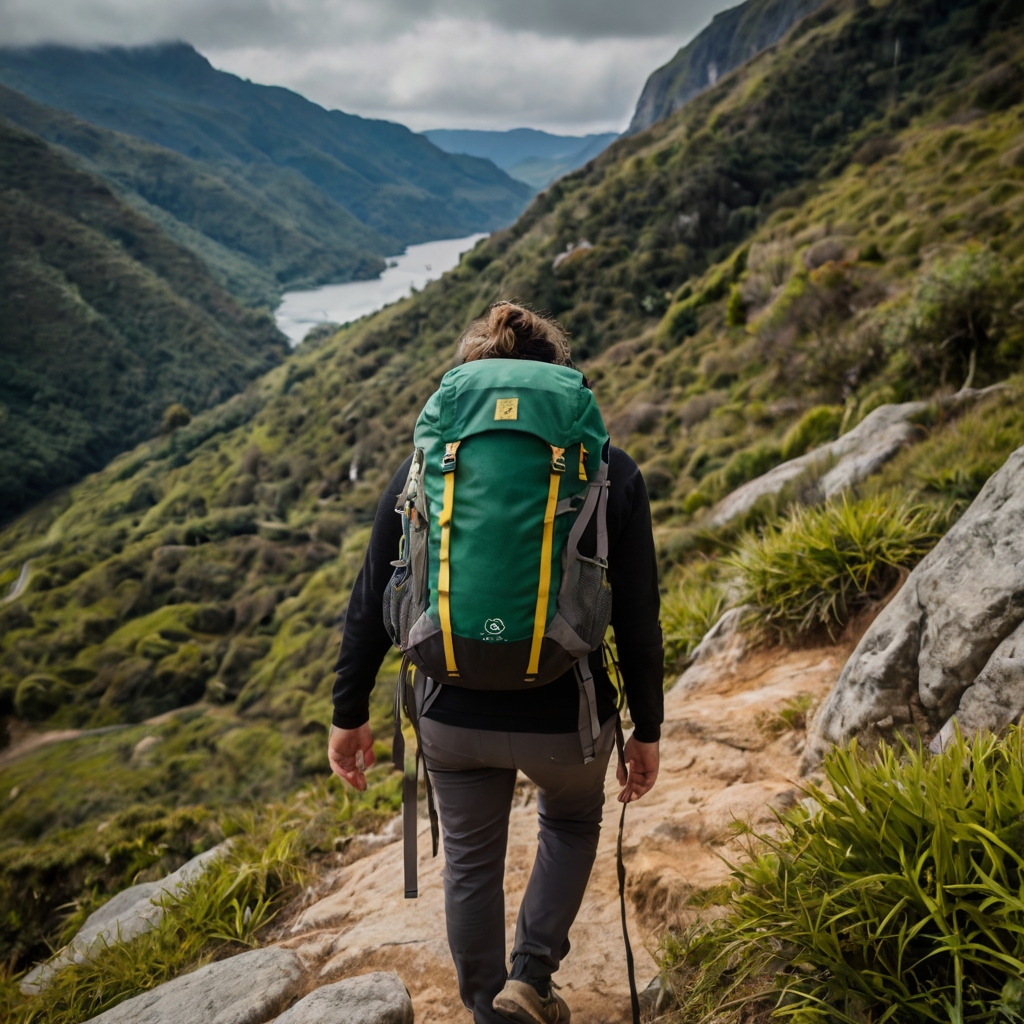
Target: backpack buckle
448 462
557 460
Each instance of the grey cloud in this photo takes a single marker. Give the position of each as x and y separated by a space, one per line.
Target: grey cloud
564 65
232 23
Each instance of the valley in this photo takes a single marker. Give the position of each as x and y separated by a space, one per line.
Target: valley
814 239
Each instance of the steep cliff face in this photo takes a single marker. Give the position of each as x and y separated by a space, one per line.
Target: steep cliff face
733 37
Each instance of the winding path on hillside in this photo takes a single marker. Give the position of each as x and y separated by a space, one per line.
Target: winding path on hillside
33 741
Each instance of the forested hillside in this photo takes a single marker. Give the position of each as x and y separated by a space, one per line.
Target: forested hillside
106 323
816 235
286 149
257 239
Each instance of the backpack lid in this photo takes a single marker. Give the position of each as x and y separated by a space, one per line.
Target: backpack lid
523 395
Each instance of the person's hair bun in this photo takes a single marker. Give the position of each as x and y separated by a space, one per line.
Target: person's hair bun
509 331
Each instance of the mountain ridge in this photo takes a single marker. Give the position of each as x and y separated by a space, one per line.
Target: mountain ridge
255 248
733 37
393 180
530 155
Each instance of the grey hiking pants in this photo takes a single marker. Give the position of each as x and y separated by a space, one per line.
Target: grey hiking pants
473 772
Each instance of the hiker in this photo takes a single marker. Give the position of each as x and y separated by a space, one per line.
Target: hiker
475 732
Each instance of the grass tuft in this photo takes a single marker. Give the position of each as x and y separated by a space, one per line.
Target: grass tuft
688 611
222 911
820 565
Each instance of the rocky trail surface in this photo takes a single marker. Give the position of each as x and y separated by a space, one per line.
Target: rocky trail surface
722 760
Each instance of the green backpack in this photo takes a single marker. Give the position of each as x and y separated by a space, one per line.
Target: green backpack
490 590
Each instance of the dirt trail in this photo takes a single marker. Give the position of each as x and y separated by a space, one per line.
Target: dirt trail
25 742
720 762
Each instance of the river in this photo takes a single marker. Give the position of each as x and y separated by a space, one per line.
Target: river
342 303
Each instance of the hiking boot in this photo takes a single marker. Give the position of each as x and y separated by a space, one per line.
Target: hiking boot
519 1001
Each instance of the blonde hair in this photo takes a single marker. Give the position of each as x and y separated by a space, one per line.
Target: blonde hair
509 331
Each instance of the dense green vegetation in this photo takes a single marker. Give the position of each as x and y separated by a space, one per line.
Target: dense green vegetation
106 322
262 145
257 238
811 238
893 892
821 565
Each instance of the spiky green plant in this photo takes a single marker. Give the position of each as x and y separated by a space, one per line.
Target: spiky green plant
895 892
820 564
688 610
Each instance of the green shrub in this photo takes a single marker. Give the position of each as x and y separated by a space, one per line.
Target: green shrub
38 696
736 310
816 427
963 316
749 464
957 459
820 565
688 611
679 322
893 893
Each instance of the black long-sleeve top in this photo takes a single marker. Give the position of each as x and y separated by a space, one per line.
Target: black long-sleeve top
633 575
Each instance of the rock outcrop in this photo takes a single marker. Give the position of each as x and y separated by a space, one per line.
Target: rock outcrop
250 988
734 36
128 914
846 461
950 645
377 998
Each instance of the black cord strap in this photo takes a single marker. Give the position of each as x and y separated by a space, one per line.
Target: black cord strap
620 869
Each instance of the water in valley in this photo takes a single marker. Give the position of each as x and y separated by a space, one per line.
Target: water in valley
342 303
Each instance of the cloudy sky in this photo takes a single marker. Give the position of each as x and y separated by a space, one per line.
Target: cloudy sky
562 65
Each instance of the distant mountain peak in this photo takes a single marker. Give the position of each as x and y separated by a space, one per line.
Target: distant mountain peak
733 37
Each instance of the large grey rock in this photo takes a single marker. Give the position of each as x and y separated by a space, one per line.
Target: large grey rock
950 642
846 461
996 698
378 998
250 988
131 912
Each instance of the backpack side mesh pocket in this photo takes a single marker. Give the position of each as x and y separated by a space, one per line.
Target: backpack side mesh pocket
405 596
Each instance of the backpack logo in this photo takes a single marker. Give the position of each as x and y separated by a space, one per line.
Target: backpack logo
506 409
493 628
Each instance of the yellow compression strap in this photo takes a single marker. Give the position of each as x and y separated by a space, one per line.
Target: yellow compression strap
444 569
547 543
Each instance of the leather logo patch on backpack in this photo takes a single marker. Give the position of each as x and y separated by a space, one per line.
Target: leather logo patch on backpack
506 409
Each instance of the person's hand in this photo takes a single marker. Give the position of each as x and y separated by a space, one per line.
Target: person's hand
643 760
350 752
